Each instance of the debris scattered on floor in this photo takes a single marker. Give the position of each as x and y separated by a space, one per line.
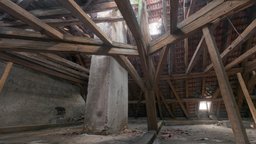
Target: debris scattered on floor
203 139
169 133
132 132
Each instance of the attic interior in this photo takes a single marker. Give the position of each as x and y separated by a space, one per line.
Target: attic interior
127 71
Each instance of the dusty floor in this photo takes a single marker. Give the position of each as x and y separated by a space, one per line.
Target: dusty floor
187 134
200 134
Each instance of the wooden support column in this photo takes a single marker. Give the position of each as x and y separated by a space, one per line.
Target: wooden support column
139 33
225 89
247 96
5 75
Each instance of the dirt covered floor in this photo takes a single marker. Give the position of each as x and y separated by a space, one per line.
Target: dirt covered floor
199 134
186 134
70 135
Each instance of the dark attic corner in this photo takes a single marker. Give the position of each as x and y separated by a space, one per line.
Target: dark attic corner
127 71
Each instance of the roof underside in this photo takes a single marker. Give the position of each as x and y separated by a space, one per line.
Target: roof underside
193 87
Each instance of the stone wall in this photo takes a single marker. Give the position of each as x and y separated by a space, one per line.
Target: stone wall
33 98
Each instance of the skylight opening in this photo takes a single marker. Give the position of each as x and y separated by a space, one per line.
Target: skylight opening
155 28
205 105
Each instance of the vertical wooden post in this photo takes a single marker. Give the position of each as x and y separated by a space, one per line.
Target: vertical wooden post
247 96
5 74
225 89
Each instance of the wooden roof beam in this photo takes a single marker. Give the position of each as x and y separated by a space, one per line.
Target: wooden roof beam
195 56
36 67
140 36
197 75
37 59
241 58
60 47
245 35
225 89
178 99
64 62
247 96
23 34
61 22
131 21
20 13
5 75
78 12
59 12
214 10
125 62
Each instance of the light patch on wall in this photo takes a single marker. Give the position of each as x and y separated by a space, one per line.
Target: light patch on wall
104 14
205 105
155 28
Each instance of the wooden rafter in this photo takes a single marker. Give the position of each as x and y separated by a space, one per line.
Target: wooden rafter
5 75
58 12
23 34
132 71
8 57
37 59
165 103
61 22
212 11
225 89
178 99
62 61
78 12
247 96
232 71
241 58
161 63
59 47
249 31
19 13
195 56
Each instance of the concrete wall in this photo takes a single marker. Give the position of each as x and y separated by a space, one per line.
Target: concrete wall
30 98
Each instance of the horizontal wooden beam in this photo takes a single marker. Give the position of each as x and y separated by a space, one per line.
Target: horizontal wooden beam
59 11
64 62
214 10
197 75
37 59
61 22
23 34
55 47
185 100
36 67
